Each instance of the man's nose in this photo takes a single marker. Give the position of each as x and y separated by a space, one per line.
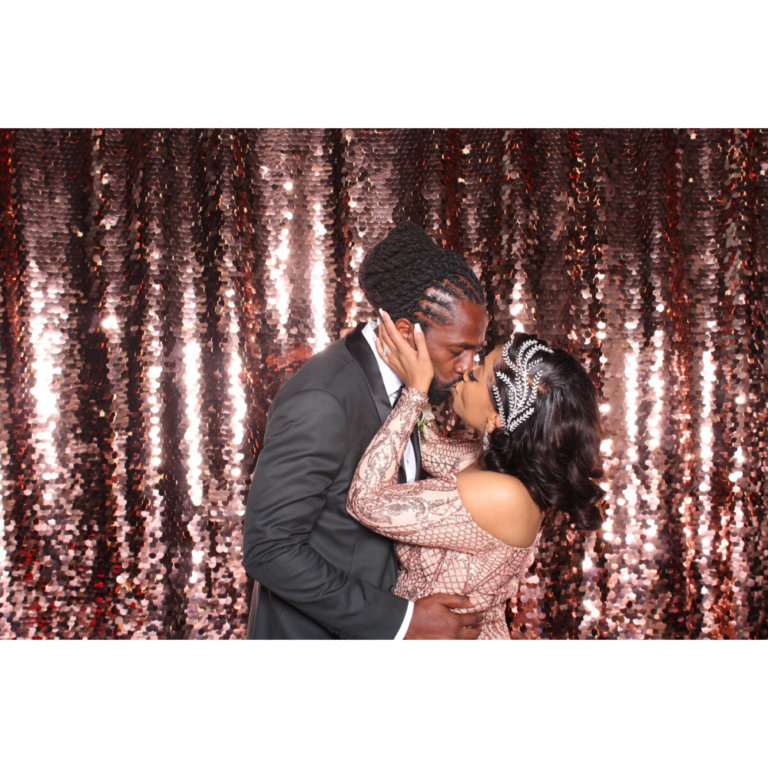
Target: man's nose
464 362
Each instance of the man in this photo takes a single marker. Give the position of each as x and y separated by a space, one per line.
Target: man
321 574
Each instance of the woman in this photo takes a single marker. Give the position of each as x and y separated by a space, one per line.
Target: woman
473 527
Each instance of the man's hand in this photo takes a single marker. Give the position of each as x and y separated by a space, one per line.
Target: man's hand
433 619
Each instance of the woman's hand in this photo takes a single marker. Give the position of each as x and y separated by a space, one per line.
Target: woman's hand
413 366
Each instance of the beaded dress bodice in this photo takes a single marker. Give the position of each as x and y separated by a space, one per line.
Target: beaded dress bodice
439 546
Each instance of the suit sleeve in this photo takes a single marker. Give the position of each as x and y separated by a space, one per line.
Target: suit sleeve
304 449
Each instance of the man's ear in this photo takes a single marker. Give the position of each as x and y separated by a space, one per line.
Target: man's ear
405 328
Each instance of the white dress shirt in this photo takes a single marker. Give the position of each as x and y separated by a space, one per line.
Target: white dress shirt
393 383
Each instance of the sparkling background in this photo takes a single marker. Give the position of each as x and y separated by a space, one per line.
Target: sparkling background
159 286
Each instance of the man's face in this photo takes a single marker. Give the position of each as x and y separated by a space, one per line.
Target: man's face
452 348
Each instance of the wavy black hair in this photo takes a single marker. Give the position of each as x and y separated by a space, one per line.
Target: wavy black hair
407 273
556 452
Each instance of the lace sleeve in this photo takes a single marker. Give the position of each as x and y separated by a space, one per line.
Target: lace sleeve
427 513
441 456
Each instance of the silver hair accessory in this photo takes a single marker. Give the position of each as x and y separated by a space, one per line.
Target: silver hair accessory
522 394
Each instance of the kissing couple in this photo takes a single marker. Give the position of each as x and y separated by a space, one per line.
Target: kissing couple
362 520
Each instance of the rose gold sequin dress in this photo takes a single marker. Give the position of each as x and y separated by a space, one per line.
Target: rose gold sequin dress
440 548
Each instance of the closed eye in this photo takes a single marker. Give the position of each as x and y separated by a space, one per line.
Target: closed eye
471 375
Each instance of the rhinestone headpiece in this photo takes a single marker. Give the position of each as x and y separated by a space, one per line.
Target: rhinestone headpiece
522 394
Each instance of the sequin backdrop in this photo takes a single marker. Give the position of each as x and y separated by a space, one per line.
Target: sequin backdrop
159 286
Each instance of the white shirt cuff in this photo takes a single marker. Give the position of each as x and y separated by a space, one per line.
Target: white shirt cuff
406 622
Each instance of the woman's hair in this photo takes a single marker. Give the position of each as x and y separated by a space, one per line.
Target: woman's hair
555 452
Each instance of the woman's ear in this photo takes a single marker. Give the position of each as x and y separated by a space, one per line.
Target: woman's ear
494 422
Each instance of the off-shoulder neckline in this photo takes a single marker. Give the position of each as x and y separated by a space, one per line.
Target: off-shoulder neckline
452 475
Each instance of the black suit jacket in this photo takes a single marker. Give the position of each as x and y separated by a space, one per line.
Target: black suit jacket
321 574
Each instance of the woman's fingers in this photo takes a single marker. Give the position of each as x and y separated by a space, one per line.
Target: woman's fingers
421 342
385 336
412 365
397 340
388 351
386 343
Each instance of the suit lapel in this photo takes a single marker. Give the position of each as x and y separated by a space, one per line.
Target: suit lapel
360 349
417 451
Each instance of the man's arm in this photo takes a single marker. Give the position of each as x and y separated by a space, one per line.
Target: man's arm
304 449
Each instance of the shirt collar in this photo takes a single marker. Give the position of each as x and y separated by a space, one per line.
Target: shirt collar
392 382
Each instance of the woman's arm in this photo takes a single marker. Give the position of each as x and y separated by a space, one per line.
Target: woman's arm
428 513
378 468
442 456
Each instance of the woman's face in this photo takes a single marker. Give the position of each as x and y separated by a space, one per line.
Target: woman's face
472 398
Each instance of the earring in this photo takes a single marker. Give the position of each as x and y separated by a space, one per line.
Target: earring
486 440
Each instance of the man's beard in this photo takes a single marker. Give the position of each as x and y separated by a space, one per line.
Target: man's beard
440 392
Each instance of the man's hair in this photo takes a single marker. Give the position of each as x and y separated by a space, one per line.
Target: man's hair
406 273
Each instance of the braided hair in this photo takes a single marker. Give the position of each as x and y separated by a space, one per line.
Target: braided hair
407 272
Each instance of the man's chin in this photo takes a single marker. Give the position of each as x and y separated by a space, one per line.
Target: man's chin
439 394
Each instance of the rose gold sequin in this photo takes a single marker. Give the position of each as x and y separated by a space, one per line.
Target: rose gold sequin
159 286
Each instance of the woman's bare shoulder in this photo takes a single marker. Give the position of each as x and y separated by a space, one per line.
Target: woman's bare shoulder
501 505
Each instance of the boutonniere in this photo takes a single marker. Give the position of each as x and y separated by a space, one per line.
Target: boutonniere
426 417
